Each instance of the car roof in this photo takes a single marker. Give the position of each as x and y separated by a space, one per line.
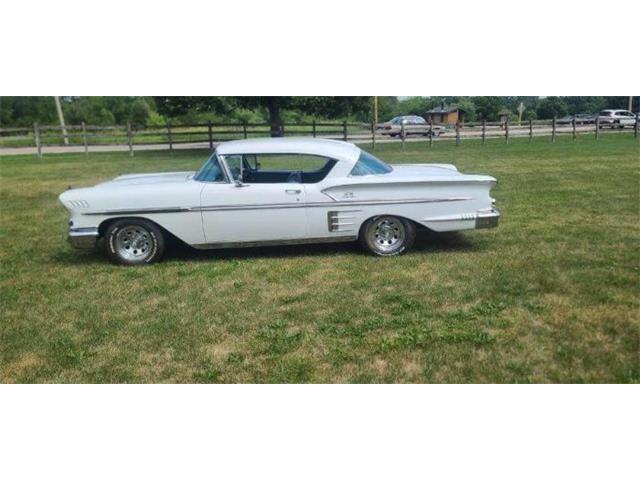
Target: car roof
323 147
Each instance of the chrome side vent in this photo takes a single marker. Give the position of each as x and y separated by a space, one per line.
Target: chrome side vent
342 221
79 203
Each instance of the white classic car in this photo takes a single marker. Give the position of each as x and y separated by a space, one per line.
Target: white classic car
278 191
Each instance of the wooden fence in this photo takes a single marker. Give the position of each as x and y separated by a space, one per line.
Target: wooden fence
207 135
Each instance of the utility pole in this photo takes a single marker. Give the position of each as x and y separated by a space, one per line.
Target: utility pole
61 118
375 110
520 112
630 104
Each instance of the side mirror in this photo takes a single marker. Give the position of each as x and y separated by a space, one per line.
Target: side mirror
237 182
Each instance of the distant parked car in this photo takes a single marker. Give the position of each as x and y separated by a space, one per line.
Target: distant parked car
412 125
581 119
616 118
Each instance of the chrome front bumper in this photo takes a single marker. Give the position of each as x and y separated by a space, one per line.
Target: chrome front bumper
83 237
488 218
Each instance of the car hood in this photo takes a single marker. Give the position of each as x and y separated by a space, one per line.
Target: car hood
148 179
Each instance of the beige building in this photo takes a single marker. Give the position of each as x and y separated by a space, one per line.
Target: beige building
445 115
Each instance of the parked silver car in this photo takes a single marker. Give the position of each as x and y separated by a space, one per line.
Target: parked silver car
410 125
616 118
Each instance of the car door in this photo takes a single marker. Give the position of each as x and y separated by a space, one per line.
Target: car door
253 210
628 118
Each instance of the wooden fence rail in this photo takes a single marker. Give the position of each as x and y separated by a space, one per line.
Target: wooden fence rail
207 135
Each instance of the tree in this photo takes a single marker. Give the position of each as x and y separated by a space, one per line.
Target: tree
330 107
550 107
413 106
387 108
487 108
24 111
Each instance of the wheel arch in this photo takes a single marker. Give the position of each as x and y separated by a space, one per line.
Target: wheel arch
106 223
418 226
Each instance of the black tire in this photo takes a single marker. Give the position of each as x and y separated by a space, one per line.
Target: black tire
134 241
371 240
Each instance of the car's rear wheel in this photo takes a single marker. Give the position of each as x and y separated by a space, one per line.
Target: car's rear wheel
134 241
387 235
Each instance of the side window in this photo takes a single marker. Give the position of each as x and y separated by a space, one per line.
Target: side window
211 171
367 164
234 163
285 168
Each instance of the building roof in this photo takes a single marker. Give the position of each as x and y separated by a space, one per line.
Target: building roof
504 111
445 110
305 146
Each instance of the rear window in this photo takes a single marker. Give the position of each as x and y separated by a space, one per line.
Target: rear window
367 164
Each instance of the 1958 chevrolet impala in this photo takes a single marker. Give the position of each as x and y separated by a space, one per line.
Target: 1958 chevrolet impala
278 191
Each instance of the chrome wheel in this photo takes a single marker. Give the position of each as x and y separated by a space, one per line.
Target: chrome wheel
386 234
133 242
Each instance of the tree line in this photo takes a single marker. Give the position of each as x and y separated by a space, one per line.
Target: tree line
149 111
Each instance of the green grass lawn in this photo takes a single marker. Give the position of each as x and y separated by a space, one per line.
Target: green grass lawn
551 295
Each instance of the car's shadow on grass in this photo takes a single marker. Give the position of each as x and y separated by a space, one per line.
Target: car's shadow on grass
426 242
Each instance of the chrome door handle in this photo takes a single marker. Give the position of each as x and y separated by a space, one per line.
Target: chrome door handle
293 191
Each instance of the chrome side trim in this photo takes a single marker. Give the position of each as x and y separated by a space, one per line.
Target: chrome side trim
327 204
485 218
336 220
278 206
83 237
133 211
269 243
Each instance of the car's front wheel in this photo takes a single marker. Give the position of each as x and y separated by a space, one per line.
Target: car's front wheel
134 241
387 235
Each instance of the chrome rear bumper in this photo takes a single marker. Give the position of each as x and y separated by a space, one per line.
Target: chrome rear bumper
83 237
488 218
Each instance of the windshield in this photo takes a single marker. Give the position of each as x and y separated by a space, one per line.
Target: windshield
211 171
396 120
367 164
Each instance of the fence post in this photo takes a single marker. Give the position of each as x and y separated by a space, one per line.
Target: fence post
373 135
170 137
430 131
210 132
573 124
314 128
506 130
36 135
530 130
635 130
457 132
130 139
244 128
553 129
597 126
344 130
484 131
403 134
84 139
